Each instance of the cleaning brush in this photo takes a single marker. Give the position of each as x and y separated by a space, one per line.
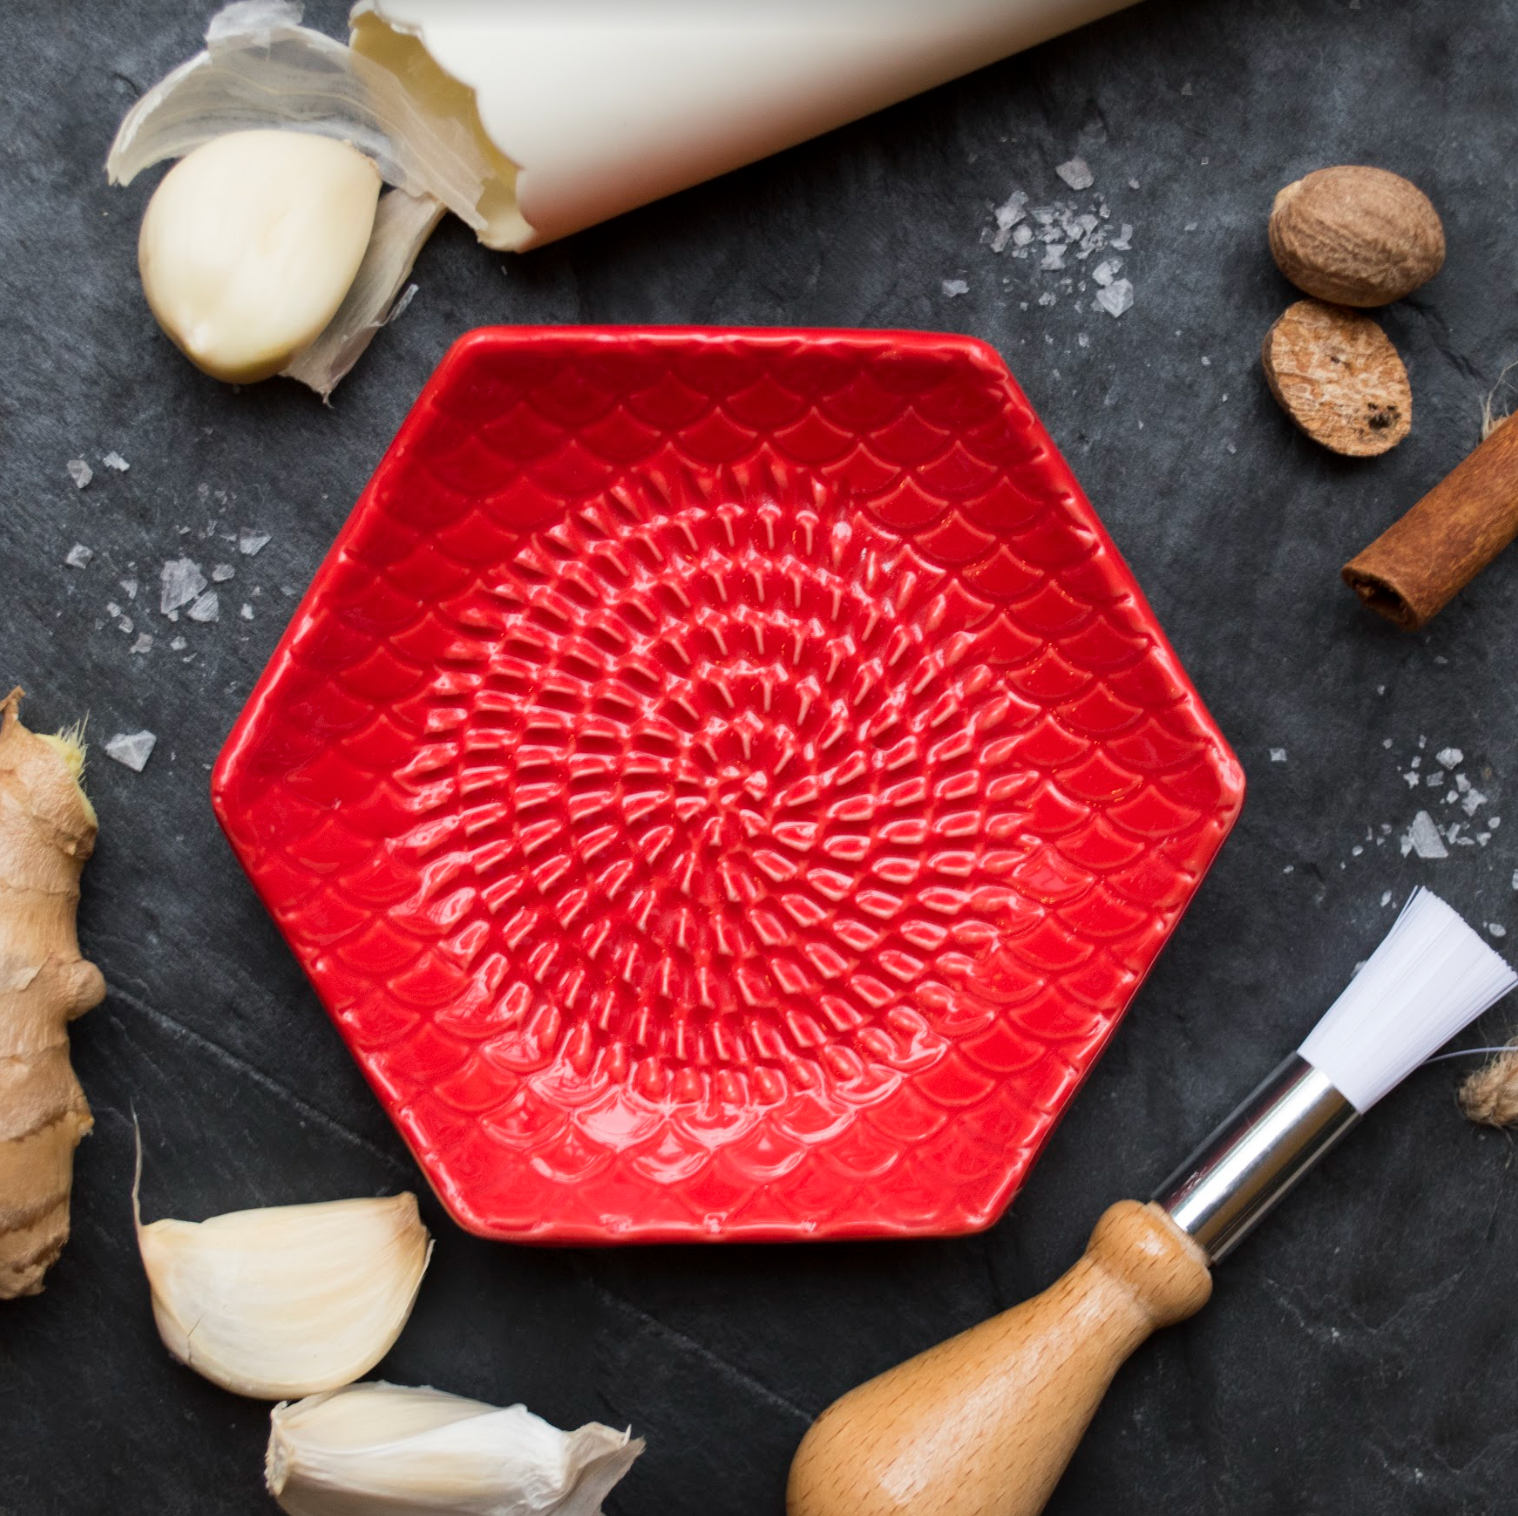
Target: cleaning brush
984 1424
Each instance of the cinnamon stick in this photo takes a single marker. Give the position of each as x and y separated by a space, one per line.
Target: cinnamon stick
1420 563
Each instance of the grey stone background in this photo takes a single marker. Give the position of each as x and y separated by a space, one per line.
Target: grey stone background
1357 1355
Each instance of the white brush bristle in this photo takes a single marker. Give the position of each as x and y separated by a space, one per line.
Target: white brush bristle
1430 978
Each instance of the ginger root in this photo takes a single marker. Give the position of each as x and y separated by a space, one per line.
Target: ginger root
47 830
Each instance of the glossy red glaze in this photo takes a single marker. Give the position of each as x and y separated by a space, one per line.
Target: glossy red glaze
724 784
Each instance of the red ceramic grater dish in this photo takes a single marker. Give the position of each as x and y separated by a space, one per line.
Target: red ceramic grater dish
724 784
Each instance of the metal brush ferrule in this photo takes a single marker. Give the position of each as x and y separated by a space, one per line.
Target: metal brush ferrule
1256 1156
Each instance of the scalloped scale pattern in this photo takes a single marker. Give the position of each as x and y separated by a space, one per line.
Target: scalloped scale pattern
724 784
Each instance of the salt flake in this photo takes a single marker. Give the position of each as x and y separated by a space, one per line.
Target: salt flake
132 749
1423 838
80 472
248 543
206 608
181 582
79 556
1116 298
222 572
1076 174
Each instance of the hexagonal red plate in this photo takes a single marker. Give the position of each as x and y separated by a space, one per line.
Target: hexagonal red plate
724 784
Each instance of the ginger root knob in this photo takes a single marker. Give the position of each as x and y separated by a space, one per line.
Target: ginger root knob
47 831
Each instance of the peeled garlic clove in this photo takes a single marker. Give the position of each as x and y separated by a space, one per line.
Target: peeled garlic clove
384 1450
250 243
287 1300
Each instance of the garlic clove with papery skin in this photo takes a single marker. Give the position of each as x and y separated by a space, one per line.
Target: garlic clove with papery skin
287 1300
250 244
384 1450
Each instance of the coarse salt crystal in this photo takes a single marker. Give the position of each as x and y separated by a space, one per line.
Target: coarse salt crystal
1116 298
130 586
1107 270
1423 838
222 572
181 582
246 612
1076 174
80 472
79 556
114 460
1011 211
206 608
144 643
1278 755
951 287
248 543
132 749
1496 930
1450 757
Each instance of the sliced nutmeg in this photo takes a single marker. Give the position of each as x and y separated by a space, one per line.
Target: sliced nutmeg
1336 374
1356 236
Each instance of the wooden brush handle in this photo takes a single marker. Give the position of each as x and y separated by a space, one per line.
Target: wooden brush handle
984 1424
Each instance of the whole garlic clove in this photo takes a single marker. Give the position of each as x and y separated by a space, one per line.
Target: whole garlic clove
250 243
384 1450
287 1300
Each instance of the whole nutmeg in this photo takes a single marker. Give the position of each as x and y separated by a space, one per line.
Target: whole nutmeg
1356 236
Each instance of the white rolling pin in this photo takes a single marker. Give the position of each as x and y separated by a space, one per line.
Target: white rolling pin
603 108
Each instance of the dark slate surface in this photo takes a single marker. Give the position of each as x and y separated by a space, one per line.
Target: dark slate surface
1355 1356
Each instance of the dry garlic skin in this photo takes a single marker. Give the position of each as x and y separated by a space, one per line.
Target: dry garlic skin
250 243
288 1300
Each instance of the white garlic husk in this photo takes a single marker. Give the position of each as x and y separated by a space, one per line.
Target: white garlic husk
384 1450
287 1300
250 245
